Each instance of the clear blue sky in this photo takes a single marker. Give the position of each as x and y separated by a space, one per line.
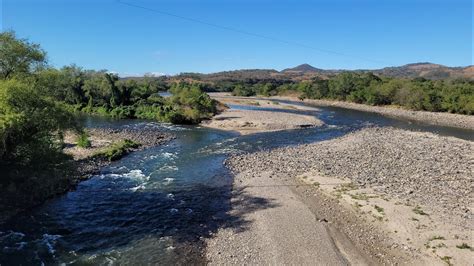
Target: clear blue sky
104 34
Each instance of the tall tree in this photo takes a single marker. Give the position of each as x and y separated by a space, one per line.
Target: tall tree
19 56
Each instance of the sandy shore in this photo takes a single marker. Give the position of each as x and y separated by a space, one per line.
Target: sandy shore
390 196
260 118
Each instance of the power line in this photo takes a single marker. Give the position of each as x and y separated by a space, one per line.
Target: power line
249 33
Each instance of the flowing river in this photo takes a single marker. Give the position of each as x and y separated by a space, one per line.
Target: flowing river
158 205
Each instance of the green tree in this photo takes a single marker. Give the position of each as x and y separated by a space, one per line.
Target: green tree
27 118
19 56
191 103
243 90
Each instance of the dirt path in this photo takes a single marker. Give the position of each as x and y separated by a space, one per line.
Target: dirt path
284 232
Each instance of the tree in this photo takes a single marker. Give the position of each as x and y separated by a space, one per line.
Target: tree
243 90
19 56
30 125
341 86
191 103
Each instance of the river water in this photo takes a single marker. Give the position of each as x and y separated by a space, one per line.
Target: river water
158 205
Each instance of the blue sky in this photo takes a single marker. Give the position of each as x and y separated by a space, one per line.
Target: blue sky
106 34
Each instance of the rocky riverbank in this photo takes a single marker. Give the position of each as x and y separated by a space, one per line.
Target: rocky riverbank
85 163
102 138
389 191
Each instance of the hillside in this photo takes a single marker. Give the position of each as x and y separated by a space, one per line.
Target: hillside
306 71
304 68
426 70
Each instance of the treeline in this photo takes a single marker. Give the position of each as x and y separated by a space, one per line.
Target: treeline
103 93
450 95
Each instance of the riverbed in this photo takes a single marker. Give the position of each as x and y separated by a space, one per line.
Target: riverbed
159 205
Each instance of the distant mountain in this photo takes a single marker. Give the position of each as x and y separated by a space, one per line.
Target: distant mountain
306 71
426 70
304 68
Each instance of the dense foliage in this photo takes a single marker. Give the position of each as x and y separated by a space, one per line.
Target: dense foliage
31 126
451 95
19 58
102 93
31 129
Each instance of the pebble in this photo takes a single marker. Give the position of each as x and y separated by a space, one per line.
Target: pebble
421 168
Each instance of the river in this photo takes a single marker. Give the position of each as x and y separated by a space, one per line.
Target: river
158 205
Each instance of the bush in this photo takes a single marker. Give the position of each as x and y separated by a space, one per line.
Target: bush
191 103
83 140
118 150
121 112
243 90
30 125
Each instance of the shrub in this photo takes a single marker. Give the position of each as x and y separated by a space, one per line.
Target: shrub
118 150
83 140
121 112
243 90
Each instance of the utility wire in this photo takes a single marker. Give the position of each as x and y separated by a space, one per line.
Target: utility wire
249 33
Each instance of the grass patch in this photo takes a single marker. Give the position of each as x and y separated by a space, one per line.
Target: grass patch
379 209
436 238
379 218
465 246
447 259
362 196
83 140
357 206
419 211
118 150
346 187
337 194
414 219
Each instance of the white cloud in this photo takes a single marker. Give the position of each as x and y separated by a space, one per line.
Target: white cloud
154 74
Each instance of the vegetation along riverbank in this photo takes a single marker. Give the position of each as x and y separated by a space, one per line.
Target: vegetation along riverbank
39 104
